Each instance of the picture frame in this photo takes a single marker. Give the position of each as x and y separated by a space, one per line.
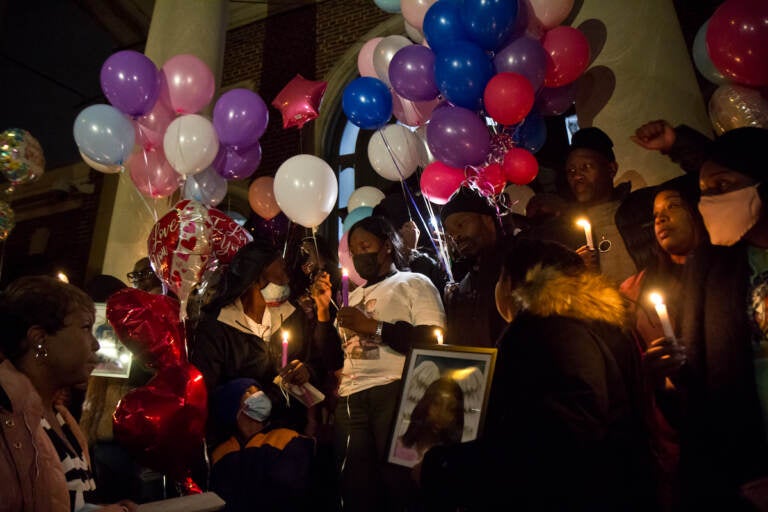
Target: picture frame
456 381
114 358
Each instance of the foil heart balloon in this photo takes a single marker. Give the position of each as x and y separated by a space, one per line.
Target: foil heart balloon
162 424
148 325
179 247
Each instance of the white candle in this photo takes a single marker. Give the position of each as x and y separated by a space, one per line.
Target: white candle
285 348
661 310
439 336
584 223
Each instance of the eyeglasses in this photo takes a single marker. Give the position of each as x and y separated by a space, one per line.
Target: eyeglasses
140 275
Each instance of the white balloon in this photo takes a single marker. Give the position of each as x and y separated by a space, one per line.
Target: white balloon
398 161
105 168
306 189
364 196
190 144
383 53
413 33
518 197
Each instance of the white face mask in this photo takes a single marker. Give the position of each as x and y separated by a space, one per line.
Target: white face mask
275 294
729 216
258 406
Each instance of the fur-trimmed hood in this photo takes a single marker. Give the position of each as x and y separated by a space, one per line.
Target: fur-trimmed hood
547 291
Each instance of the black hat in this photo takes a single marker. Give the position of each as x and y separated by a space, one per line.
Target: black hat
594 139
742 150
395 208
244 270
227 398
467 200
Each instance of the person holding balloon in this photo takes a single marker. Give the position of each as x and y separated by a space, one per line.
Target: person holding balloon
394 310
47 346
242 329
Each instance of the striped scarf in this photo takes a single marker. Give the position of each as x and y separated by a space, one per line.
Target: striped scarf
76 471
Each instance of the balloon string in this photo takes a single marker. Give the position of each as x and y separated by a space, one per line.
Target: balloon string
440 236
317 258
413 201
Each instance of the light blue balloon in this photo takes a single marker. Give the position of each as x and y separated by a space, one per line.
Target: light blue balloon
355 215
104 134
701 57
391 6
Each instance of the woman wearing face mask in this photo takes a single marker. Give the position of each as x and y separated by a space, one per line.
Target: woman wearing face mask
392 311
724 383
240 332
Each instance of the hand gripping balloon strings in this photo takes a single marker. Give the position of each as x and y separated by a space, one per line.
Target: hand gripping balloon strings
410 196
317 257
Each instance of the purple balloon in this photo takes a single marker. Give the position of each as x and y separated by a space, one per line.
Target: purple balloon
524 56
240 118
412 73
458 137
131 82
235 163
553 101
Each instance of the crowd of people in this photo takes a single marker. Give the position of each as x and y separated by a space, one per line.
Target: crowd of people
600 400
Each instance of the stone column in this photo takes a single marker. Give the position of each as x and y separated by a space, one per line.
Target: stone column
642 71
198 27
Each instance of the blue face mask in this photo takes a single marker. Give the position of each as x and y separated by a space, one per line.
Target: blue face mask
258 406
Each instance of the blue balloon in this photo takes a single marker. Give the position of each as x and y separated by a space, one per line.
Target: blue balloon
390 6
531 133
462 69
355 215
367 103
442 25
489 23
104 134
701 58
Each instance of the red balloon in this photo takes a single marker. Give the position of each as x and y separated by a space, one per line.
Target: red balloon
568 55
737 41
520 166
162 424
227 236
148 325
299 101
439 181
508 97
492 179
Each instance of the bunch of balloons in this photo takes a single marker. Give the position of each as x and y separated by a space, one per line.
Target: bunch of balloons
153 128
472 64
21 161
162 424
731 50
189 240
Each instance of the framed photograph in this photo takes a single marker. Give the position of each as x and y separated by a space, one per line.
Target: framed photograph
114 358
443 401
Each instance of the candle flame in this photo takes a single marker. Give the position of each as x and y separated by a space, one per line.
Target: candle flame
285 336
582 223
656 298
344 272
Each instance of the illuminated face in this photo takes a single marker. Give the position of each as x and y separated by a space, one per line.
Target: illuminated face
714 179
471 232
673 224
590 175
72 349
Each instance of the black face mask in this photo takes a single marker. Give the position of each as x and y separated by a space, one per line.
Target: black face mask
367 265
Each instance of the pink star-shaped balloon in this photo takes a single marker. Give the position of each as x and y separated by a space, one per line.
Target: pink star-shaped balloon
299 101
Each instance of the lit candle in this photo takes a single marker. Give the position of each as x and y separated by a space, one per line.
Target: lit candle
439 336
285 348
584 223
661 310
344 287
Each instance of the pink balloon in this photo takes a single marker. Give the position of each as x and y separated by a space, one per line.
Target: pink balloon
550 13
568 55
365 58
299 101
152 174
414 10
413 113
345 260
261 197
440 181
189 83
150 128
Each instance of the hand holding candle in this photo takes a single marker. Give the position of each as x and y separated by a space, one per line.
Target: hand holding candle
661 310
584 223
344 287
285 349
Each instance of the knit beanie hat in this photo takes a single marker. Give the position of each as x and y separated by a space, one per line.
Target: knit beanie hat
743 150
594 139
467 200
227 399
